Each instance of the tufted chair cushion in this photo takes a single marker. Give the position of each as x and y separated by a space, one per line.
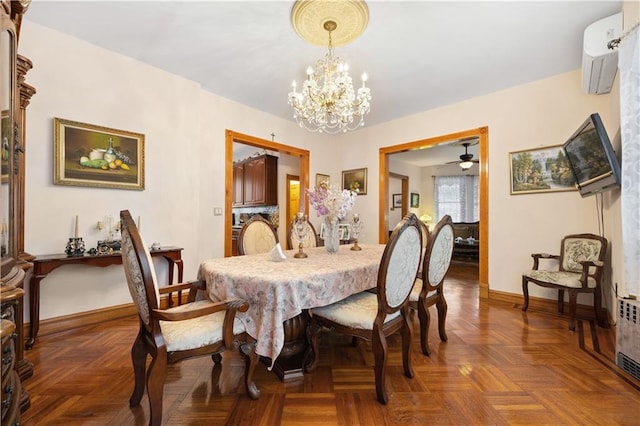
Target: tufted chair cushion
356 311
196 332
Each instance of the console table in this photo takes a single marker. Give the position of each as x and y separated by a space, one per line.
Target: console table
44 264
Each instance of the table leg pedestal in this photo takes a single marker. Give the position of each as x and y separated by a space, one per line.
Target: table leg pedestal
288 365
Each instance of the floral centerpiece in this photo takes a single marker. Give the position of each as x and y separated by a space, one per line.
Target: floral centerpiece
332 203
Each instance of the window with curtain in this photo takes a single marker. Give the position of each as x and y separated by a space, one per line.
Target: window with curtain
458 197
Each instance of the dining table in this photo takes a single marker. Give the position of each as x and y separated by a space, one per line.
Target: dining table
280 292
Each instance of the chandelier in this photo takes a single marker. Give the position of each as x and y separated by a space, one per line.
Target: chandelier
327 101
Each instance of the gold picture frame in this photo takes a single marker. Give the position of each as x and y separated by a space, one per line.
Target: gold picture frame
355 179
97 156
540 170
322 178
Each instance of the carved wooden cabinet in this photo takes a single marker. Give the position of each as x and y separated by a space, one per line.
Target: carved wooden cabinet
11 386
255 181
13 267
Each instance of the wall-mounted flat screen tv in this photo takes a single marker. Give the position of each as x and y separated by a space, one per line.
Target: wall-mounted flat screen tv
592 158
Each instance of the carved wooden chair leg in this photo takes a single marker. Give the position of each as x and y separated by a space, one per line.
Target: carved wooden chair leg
251 360
139 360
561 301
442 307
310 361
379 346
424 320
525 292
597 304
156 376
573 298
405 332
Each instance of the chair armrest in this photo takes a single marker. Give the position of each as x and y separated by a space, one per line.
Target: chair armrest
177 287
538 256
228 305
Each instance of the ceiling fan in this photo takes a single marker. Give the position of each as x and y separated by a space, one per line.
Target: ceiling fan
466 159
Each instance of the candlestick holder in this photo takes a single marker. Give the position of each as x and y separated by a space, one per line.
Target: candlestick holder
300 228
75 247
356 226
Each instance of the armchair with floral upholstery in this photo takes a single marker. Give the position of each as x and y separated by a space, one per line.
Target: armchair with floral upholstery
581 262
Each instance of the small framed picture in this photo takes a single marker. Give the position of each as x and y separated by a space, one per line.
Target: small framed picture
415 200
355 180
345 231
322 178
396 201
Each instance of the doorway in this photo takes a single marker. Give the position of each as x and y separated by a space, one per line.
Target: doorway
482 134
231 137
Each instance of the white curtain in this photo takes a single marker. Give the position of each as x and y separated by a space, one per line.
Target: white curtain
629 65
457 196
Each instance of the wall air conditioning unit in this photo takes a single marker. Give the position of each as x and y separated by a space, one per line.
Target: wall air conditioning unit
599 63
628 337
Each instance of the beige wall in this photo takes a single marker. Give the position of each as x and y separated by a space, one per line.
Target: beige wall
184 128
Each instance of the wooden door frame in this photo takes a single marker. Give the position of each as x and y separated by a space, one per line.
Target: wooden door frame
231 137
404 182
482 133
288 180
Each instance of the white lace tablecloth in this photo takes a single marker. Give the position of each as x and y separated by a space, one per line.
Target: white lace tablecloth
278 291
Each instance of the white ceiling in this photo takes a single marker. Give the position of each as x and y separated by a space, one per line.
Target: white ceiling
419 55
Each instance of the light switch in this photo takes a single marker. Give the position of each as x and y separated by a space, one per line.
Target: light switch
217 211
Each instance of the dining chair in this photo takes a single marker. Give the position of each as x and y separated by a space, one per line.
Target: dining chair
196 328
256 236
375 316
580 266
428 289
310 237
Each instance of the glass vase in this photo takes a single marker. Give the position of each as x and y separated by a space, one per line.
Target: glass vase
331 235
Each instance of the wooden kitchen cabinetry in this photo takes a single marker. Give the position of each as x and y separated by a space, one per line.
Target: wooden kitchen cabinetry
255 181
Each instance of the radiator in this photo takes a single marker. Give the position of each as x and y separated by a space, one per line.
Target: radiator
628 337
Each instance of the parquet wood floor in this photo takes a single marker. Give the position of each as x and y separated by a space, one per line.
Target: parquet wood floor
500 366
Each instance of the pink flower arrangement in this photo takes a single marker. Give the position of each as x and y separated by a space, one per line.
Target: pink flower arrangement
330 200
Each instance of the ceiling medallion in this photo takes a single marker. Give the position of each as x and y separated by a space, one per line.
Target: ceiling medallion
328 102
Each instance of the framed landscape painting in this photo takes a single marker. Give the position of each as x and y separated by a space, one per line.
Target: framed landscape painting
90 155
540 170
355 180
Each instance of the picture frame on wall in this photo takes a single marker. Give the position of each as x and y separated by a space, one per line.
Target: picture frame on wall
97 156
540 170
322 178
415 200
396 201
355 180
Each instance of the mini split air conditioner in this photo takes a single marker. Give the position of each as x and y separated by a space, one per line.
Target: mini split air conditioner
599 63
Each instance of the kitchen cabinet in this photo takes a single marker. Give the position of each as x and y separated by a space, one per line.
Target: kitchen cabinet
255 182
235 234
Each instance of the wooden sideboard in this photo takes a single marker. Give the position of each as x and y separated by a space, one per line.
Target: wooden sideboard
44 264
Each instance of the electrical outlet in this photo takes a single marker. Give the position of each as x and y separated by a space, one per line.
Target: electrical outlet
217 211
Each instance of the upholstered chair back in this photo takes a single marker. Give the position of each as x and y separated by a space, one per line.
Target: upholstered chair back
400 261
580 247
139 270
310 238
256 236
440 251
